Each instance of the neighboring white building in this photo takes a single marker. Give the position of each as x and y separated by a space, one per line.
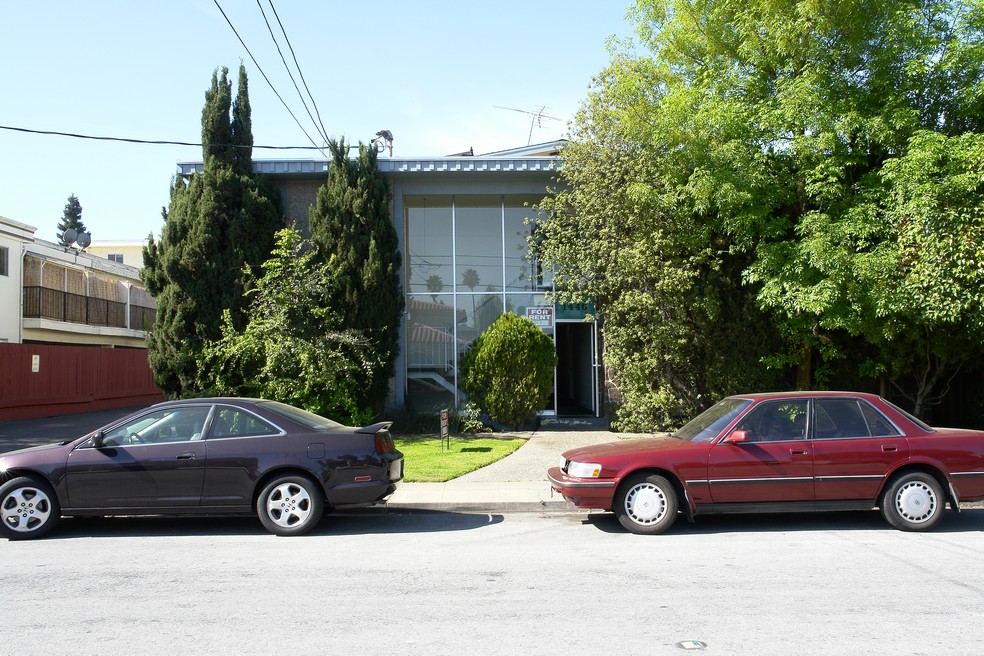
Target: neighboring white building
13 237
50 294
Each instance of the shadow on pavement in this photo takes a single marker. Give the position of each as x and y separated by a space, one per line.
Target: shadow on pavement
343 522
967 520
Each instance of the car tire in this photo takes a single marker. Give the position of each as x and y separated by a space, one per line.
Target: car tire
913 502
29 508
646 504
290 505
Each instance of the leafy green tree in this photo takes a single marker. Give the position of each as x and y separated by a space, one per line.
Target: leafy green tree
865 89
680 330
508 370
71 219
353 231
740 163
222 219
929 286
292 348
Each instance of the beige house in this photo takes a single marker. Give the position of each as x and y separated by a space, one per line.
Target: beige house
121 252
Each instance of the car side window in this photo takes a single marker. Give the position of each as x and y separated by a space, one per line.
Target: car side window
776 421
233 422
160 426
847 418
878 425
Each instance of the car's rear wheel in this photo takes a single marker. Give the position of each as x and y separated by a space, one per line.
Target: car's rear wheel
290 505
28 508
913 502
646 504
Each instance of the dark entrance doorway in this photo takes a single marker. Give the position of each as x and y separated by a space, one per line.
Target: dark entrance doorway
577 385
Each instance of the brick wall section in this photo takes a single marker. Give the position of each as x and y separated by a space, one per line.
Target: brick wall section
72 379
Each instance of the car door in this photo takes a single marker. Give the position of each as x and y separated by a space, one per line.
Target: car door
155 461
854 448
240 447
773 462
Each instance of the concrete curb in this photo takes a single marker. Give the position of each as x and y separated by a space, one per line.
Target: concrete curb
483 507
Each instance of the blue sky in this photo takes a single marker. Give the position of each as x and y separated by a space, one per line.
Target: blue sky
430 72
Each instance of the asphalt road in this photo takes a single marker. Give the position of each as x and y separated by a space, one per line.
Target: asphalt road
378 582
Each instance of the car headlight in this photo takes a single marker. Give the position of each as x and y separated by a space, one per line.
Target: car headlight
584 469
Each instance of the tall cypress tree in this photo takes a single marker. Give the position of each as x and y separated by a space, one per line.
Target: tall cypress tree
222 220
242 128
71 218
352 229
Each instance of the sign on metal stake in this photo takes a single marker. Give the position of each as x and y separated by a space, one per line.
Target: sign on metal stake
445 433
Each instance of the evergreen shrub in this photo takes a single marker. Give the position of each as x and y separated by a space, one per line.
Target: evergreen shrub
508 370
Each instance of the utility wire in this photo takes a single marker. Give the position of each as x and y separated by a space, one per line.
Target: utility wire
290 74
150 141
260 69
300 72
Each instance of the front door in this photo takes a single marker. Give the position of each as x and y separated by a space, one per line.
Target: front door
577 380
775 463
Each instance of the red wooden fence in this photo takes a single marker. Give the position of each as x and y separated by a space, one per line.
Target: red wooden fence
41 380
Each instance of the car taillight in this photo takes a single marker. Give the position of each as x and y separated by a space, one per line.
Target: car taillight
384 443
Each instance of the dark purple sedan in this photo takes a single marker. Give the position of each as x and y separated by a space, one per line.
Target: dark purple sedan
225 456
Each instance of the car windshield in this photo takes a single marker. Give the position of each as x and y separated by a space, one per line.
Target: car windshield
302 417
709 424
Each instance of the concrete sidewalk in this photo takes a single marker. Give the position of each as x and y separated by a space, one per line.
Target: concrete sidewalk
516 483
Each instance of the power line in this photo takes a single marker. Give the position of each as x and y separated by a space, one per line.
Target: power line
290 73
299 71
260 69
156 142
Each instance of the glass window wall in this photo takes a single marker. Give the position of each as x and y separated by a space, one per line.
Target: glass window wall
478 242
517 221
428 257
467 262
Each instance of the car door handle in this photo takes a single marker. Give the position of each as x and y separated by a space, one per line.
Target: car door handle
797 452
889 448
186 456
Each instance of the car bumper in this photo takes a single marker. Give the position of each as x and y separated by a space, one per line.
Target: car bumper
583 492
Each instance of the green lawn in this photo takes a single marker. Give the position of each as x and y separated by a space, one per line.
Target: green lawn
426 462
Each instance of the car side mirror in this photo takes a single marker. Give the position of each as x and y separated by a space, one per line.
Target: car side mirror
96 441
737 437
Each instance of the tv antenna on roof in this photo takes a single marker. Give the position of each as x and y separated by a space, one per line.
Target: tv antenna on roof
538 118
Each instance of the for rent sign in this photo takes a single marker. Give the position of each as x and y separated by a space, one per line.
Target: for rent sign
541 316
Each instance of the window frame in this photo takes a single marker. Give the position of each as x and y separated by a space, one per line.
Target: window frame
862 406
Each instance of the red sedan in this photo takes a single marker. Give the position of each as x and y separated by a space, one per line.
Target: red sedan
796 451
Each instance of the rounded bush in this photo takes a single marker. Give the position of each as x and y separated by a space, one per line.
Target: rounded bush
508 371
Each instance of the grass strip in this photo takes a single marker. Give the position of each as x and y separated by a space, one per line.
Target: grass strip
426 462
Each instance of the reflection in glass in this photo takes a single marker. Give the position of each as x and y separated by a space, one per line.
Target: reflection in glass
428 226
432 350
518 263
478 238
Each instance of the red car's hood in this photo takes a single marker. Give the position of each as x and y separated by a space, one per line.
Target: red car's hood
626 447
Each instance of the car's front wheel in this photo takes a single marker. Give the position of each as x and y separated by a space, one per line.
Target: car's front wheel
290 505
913 502
646 504
28 508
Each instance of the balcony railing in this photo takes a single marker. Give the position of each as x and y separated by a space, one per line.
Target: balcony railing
44 303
